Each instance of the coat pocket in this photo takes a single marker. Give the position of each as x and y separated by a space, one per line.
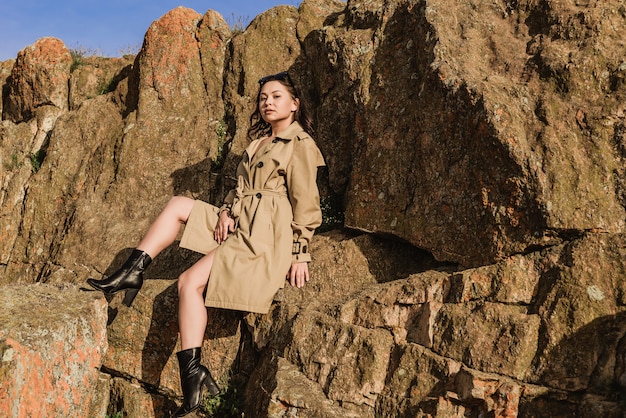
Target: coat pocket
262 225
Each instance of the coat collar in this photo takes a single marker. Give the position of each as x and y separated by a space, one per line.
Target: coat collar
291 132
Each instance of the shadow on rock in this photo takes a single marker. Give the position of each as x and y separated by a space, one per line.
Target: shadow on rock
587 370
591 360
168 265
390 258
161 339
263 379
227 349
195 179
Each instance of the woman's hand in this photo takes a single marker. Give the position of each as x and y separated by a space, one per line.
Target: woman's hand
298 274
225 225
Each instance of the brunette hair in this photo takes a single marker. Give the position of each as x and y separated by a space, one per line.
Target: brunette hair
259 128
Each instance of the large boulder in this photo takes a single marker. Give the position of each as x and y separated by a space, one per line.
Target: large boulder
76 165
52 343
166 130
451 343
464 127
5 72
132 135
167 144
92 76
34 95
39 78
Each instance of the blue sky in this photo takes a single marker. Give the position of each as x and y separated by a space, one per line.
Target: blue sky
110 27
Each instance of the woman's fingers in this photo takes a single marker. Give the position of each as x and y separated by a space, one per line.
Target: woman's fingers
224 231
298 274
218 233
223 228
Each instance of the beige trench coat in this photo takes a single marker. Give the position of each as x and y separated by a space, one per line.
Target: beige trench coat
276 208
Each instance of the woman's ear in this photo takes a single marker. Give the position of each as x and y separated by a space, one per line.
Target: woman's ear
295 105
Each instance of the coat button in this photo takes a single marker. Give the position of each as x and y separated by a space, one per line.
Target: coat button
260 164
258 195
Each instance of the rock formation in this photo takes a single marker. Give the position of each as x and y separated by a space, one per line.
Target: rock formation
472 257
50 358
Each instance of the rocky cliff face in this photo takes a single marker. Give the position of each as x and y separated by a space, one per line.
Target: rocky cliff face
475 154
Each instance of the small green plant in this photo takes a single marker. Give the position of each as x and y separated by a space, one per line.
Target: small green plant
332 214
36 159
226 404
106 86
220 130
12 163
78 54
77 59
130 51
115 415
237 23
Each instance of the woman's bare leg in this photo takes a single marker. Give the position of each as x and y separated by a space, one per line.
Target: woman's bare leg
192 321
192 313
164 230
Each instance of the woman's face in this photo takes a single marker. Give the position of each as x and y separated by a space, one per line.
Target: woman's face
276 103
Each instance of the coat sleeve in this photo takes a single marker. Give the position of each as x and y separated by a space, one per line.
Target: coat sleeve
304 195
228 201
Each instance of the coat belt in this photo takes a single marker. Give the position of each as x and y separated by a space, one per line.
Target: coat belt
242 192
263 192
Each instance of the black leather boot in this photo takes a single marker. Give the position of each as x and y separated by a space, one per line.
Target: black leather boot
129 277
192 376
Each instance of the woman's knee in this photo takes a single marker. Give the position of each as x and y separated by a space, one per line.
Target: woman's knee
197 276
188 281
181 206
184 281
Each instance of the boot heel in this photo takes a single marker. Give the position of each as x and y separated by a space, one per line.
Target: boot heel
130 297
211 386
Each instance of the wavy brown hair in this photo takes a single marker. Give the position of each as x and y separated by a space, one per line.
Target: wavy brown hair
259 128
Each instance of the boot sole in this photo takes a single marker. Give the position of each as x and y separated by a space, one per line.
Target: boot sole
128 298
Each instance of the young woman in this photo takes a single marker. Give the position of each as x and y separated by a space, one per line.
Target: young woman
252 243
